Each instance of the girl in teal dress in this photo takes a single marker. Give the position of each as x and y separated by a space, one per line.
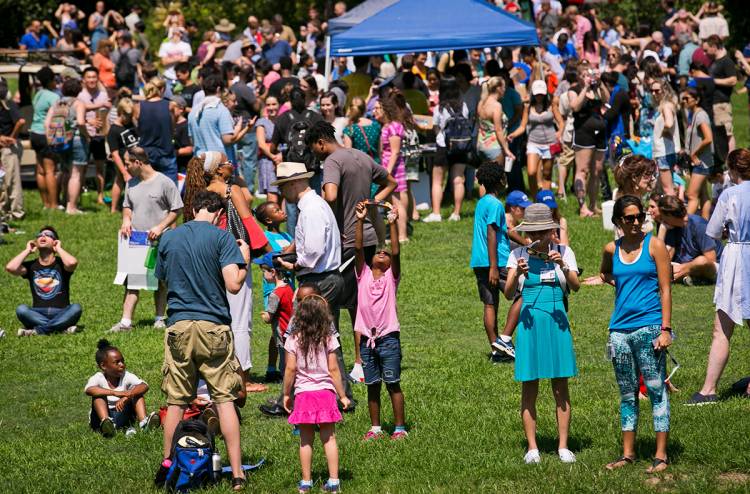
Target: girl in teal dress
543 272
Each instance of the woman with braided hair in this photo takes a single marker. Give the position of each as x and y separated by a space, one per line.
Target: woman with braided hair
212 171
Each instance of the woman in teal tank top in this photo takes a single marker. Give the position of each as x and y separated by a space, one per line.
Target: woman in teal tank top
638 266
544 344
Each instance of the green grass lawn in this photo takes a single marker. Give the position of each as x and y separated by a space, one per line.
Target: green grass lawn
463 412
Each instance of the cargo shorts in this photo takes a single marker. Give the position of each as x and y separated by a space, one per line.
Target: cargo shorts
194 349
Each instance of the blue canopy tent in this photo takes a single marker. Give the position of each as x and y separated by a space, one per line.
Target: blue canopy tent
405 26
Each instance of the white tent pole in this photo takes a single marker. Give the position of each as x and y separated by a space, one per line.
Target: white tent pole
328 60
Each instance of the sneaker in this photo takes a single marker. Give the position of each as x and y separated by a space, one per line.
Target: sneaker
687 281
130 432
698 399
532 457
454 217
373 436
119 328
566 456
432 218
500 358
422 206
27 332
160 324
161 475
152 421
399 435
506 347
304 487
71 330
329 487
107 428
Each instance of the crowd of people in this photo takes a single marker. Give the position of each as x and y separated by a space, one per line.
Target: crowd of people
209 124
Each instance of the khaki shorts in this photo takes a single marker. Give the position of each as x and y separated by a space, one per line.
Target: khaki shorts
568 155
194 349
723 117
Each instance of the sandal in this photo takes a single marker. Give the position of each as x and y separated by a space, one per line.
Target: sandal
657 463
238 483
251 387
622 461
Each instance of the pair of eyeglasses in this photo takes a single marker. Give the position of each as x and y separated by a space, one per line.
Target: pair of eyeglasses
631 218
544 256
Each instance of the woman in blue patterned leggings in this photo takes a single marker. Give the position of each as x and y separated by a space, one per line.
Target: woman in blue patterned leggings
637 265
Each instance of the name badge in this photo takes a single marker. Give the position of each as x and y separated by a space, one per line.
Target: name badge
547 275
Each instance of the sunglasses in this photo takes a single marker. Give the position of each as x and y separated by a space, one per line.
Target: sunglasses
656 91
674 369
47 234
384 252
544 256
630 218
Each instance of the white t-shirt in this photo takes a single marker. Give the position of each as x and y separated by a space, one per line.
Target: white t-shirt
568 256
127 382
170 49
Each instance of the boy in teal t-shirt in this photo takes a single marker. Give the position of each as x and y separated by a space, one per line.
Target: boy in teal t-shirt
490 248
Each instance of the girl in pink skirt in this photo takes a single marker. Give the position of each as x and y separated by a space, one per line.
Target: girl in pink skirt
312 367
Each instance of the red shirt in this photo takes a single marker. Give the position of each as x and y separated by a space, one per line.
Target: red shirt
283 313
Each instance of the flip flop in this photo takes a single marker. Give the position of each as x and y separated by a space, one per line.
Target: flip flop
656 464
256 388
625 460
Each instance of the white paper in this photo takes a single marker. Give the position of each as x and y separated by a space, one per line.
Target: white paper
131 269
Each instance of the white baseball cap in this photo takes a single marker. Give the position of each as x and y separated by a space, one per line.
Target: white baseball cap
538 87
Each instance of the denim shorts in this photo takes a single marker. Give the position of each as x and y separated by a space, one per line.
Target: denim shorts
382 363
80 152
665 163
541 150
702 169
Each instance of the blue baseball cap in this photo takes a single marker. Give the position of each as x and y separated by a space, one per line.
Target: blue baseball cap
266 261
518 198
546 197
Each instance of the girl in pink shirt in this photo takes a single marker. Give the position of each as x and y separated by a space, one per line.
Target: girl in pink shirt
312 368
377 325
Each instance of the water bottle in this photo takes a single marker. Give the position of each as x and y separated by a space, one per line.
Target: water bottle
216 464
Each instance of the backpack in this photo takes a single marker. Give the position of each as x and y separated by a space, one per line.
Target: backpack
297 149
192 453
459 134
125 70
60 131
412 153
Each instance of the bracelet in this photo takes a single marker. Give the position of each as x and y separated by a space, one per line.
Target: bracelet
666 328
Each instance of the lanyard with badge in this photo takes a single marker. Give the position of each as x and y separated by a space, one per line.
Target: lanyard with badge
547 273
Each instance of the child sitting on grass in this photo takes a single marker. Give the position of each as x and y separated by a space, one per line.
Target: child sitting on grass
312 368
272 216
117 395
377 323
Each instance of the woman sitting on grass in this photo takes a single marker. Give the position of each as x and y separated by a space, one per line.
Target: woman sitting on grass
544 345
637 265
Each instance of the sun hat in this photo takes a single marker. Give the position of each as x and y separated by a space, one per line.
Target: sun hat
289 170
224 26
537 218
546 197
518 198
538 87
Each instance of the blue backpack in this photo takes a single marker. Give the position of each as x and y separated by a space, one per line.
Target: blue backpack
192 451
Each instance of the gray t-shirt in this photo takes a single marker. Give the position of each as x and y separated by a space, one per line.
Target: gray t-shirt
695 137
151 200
354 172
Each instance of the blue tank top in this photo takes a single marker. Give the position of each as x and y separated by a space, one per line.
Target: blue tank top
155 129
637 301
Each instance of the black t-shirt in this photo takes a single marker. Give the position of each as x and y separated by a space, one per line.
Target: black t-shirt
50 285
181 140
591 108
245 99
284 122
121 138
721 69
188 92
8 117
620 109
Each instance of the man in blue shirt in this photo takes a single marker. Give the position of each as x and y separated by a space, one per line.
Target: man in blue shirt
490 249
694 254
210 124
33 40
199 264
273 48
563 48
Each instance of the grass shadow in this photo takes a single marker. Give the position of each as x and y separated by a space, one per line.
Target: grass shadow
548 444
645 447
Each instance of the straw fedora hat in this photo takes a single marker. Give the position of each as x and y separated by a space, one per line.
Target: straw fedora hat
289 170
224 26
537 218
